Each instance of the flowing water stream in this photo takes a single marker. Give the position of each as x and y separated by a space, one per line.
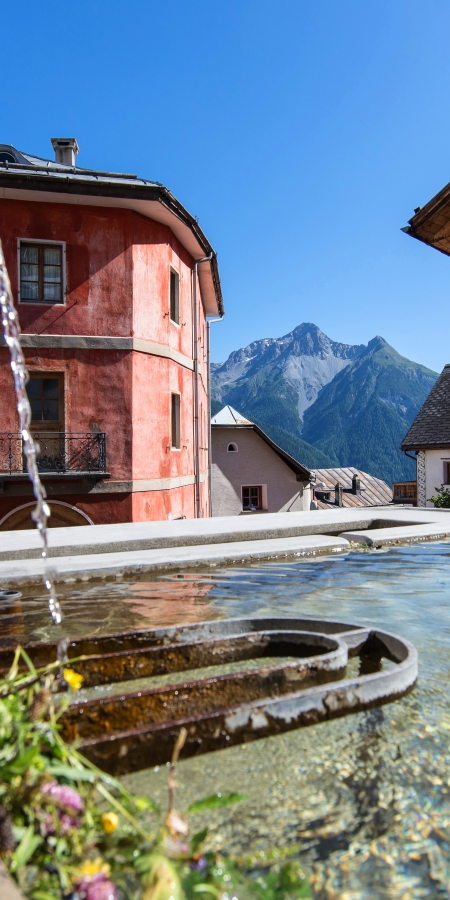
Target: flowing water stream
40 514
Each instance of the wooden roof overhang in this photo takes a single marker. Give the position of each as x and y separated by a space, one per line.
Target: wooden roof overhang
431 223
66 185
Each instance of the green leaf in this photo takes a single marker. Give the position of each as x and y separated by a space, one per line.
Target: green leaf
28 661
216 801
26 848
72 773
198 839
21 763
42 895
205 889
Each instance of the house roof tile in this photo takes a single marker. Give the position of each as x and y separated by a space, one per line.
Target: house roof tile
431 427
374 491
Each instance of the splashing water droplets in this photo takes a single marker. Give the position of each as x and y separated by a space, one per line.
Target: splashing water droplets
41 512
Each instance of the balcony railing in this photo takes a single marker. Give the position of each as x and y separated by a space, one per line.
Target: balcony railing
405 492
59 452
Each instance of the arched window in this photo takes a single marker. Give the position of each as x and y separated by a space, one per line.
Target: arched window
232 448
61 515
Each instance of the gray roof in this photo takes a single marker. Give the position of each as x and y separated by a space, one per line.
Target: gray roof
374 491
231 418
87 186
431 427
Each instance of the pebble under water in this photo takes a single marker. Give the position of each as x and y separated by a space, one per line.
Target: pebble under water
368 796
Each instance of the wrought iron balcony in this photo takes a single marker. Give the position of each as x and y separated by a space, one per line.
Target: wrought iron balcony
59 453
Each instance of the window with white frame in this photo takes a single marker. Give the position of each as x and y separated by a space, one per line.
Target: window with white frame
41 272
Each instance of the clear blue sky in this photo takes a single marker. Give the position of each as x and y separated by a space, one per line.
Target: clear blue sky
302 134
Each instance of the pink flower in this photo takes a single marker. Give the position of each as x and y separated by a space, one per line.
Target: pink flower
63 795
97 888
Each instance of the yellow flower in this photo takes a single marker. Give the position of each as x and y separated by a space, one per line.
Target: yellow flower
94 867
110 821
73 679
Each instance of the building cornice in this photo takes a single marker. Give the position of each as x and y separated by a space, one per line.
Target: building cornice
103 342
150 200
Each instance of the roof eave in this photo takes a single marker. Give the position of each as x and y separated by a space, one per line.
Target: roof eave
438 204
74 186
425 446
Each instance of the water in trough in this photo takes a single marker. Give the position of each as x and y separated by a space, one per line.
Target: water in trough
367 796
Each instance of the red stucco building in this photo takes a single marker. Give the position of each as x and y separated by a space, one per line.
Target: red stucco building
113 300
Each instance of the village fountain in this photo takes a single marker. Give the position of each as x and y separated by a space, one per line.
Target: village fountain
227 681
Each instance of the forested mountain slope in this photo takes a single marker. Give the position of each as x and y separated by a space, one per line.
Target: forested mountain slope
350 402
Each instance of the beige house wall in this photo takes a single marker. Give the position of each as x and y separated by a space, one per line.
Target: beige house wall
254 463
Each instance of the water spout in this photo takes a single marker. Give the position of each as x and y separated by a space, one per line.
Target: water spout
41 512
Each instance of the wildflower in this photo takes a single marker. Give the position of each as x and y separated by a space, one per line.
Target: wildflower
93 882
176 823
110 821
73 679
68 803
63 795
94 867
101 890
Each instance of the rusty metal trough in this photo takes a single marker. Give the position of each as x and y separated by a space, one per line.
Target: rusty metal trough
301 680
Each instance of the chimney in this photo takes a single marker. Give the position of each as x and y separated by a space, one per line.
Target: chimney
356 485
338 494
66 150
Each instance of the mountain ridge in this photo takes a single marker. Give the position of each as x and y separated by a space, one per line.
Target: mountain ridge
353 403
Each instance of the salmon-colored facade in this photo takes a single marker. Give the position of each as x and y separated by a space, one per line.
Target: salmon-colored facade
114 343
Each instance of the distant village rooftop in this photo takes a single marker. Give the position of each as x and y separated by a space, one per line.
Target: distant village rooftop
23 175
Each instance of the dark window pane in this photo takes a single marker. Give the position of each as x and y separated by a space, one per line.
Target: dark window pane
34 388
51 410
36 410
29 272
175 415
29 254
174 297
52 273
52 256
50 388
52 291
29 290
